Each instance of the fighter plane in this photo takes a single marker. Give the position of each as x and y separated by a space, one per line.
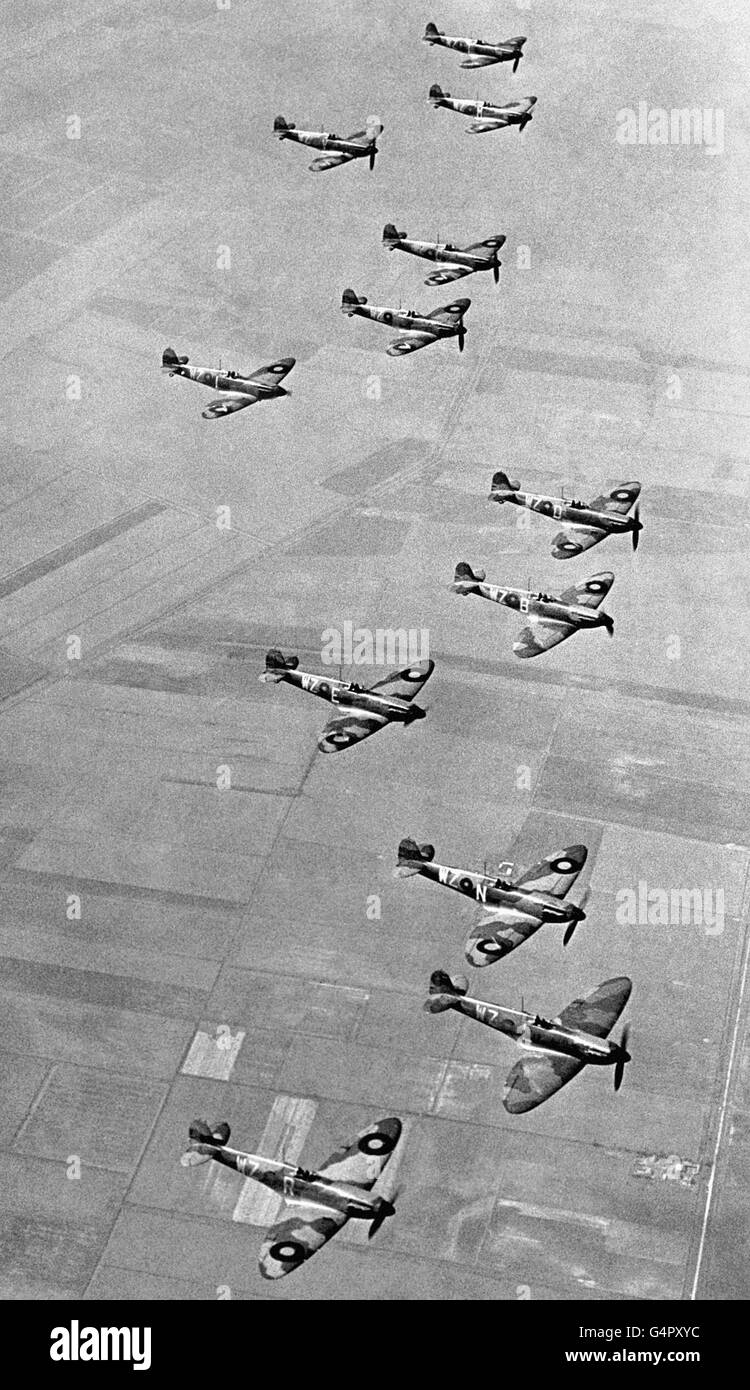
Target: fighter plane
487 114
420 329
517 903
591 522
363 709
317 1204
551 619
558 1048
460 260
481 53
238 390
360 145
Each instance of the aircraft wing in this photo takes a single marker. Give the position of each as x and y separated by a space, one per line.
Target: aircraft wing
540 634
573 540
557 873
410 343
536 1077
450 313
227 404
590 592
489 123
303 1229
274 374
329 161
619 500
497 934
363 1161
406 684
481 60
599 1011
490 243
448 273
345 729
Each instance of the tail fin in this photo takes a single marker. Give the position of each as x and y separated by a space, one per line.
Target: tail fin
349 300
501 485
203 1136
465 579
431 31
437 93
170 361
410 856
280 125
445 989
277 664
373 127
390 236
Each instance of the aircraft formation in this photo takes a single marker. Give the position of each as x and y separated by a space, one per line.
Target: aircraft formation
515 902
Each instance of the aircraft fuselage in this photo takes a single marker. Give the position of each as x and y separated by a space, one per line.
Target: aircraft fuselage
296 1184
561 510
528 903
406 319
442 251
543 606
346 695
529 1031
226 381
501 52
321 140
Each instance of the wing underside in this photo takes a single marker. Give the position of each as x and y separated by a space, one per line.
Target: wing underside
494 123
448 273
330 161
345 729
412 342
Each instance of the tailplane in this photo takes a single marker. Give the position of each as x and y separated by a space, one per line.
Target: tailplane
465 579
411 856
277 664
170 362
281 126
350 301
445 990
203 1139
502 487
437 94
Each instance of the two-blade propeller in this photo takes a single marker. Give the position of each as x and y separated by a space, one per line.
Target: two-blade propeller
386 1209
579 916
623 1057
637 527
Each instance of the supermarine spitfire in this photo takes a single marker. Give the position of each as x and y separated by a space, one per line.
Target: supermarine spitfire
488 115
480 52
421 329
360 145
557 1048
239 390
457 260
517 903
551 619
318 1204
591 522
363 710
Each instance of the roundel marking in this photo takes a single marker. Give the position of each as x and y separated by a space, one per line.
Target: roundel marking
288 1251
376 1143
413 675
489 947
595 587
563 866
324 689
622 495
466 885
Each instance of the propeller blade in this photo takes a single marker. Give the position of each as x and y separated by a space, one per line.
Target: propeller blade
461 340
496 270
388 1209
569 932
372 159
623 1058
637 528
